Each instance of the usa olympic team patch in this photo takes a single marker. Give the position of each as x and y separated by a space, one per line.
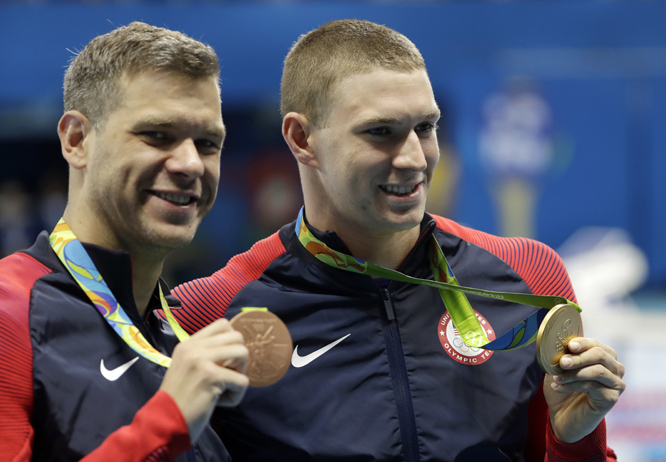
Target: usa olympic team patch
455 346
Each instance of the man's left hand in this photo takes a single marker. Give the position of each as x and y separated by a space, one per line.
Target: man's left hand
589 387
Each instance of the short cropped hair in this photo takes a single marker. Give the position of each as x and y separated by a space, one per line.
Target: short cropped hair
319 60
92 81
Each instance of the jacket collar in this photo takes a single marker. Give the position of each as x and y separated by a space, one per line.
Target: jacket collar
331 238
115 266
415 264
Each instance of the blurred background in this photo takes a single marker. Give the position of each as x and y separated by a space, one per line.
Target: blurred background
554 127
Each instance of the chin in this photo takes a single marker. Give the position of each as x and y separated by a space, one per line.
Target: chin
177 242
396 226
407 220
171 238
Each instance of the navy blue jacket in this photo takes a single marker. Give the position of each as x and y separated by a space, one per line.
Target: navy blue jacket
53 345
399 384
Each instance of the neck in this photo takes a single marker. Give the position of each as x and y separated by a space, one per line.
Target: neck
388 250
145 276
146 265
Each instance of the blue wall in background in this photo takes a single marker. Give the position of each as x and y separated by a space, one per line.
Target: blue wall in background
600 66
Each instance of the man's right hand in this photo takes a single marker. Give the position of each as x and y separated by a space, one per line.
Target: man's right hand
207 370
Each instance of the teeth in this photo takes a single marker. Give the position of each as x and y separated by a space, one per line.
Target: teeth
178 199
398 189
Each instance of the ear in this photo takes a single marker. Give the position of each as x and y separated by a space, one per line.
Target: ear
297 131
73 129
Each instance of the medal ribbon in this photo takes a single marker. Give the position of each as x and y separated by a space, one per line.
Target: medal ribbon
452 293
73 255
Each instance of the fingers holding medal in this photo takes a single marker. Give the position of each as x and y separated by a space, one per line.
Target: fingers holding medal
561 347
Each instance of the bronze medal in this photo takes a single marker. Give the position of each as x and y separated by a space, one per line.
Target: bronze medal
561 324
269 342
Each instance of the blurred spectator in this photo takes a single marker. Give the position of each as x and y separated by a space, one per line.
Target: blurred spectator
516 147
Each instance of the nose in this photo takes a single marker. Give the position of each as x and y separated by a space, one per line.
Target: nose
411 154
186 160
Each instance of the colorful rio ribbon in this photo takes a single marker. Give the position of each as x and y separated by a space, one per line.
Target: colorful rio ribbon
452 293
73 255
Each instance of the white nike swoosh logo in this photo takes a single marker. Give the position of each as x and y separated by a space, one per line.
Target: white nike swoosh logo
300 361
114 374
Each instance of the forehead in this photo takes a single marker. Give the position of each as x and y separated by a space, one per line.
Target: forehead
383 93
151 93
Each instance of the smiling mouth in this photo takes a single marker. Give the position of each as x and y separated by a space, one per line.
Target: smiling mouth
398 190
177 199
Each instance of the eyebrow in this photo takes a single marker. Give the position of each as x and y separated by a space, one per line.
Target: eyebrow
163 122
397 121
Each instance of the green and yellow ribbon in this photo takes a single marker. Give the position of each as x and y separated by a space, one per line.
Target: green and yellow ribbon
452 293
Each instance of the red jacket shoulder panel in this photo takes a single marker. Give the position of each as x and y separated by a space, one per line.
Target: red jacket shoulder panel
18 273
206 299
536 263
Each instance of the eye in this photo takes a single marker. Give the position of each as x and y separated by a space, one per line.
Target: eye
207 146
379 131
154 136
425 128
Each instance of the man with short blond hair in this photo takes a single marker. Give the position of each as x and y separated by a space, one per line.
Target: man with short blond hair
325 56
380 369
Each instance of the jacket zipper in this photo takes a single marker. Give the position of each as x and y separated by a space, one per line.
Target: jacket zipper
403 397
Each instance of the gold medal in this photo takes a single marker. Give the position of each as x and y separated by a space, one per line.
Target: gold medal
269 342
561 324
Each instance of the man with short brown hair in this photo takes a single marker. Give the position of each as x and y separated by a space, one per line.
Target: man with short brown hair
83 358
